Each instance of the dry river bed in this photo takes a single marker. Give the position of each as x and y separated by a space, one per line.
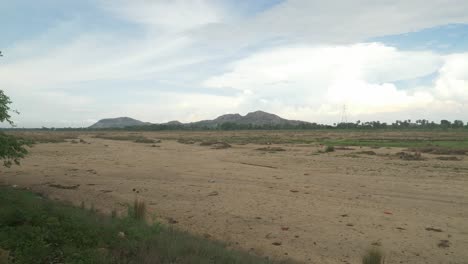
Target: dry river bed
298 203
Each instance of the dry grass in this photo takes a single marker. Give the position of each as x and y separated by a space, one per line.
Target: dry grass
4 256
373 256
186 141
216 144
146 140
37 230
329 148
127 137
409 156
343 148
452 158
368 152
114 213
439 150
271 149
138 211
45 136
383 138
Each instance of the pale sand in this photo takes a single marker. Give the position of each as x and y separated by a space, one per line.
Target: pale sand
322 208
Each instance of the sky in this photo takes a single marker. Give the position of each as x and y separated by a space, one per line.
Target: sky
70 63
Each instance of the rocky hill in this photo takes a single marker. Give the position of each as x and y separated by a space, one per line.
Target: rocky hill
257 118
119 122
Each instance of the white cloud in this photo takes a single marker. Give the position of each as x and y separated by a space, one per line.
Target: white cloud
452 83
168 15
334 22
311 70
299 59
361 76
50 108
185 107
351 21
97 57
362 97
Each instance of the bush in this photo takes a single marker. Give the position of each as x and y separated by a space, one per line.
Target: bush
145 140
329 149
373 256
138 211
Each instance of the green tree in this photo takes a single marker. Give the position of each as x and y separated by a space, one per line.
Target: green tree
457 124
445 123
12 149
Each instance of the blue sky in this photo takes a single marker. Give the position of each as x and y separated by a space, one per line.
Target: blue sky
443 39
70 63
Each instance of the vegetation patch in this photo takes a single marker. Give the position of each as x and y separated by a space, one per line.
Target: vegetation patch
343 148
36 230
409 156
134 138
452 158
186 141
326 149
39 136
65 187
329 148
271 149
216 144
452 139
146 140
373 256
367 152
438 145
138 211
440 150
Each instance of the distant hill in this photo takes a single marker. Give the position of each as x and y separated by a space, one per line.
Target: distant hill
119 122
173 123
257 118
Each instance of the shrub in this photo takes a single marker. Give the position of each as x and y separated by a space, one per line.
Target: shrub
373 256
145 140
114 213
138 210
409 156
329 149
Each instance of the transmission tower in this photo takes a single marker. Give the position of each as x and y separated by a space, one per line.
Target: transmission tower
344 115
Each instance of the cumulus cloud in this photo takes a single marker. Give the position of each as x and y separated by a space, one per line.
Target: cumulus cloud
301 59
185 107
318 66
452 83
362 76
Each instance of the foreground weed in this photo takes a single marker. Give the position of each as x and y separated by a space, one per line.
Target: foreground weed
329 149
138 210
373 256
36 230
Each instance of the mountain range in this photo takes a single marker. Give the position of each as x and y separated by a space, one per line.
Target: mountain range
257 118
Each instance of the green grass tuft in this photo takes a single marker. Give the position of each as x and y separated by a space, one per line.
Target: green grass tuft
138 210
37 230
373 256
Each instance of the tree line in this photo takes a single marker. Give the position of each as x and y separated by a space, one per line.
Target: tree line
421 124
358 125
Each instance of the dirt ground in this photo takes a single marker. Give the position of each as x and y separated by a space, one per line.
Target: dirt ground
298 203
